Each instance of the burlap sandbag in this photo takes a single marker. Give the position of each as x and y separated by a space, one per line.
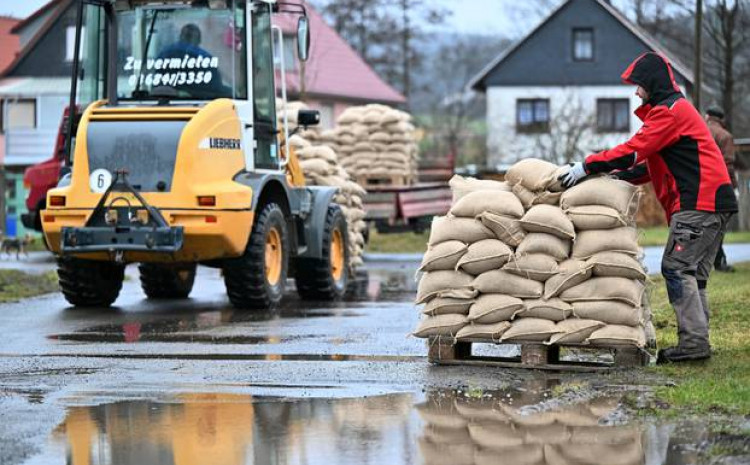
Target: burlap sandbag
618 335
529 329
447 436
610 312
447 305
618 289
445 454
608 192
449 228
595 217
617 265
528 454
461 186
554 433
441 325
571 273
502 282
529 198
588 243
577 415
485 255
543 243
552 309
441 415
493 308
506 229
498 202
491 332
609 435
494 435
316 165
548 219
436 282
574 331
539 267
533 174
480 409
443 256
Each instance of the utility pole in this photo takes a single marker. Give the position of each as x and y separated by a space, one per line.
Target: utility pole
406 38
698 74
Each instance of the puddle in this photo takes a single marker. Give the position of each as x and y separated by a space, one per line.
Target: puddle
435 428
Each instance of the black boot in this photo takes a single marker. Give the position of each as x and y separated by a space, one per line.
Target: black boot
683 354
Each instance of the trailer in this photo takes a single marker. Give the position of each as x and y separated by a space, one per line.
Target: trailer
395 207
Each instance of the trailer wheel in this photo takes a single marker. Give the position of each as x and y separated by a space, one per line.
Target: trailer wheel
89 283
257 279
167 281
326 278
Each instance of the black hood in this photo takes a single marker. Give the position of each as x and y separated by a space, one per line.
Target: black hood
652 72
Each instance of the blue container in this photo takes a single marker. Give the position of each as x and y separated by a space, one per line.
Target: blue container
11 226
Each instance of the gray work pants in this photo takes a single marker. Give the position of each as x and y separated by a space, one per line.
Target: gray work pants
694 240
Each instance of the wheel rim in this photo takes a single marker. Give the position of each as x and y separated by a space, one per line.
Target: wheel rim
274 255
337 255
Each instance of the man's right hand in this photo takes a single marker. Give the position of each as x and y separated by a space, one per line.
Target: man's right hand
575 173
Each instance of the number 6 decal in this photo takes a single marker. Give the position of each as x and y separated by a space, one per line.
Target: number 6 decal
100 180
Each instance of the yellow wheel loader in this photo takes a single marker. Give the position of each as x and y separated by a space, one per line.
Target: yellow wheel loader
176 159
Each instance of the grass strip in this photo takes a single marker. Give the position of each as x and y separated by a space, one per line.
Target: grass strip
723 383
16 285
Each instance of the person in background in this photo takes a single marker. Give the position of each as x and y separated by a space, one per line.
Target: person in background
674 150
725 141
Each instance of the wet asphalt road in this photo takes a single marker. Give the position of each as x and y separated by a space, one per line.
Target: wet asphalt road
199 382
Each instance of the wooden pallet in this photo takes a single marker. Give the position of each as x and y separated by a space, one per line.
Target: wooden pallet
443 351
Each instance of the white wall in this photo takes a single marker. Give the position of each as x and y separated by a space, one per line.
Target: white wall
505 146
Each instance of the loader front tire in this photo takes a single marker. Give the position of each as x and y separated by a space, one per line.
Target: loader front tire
257 279
326 279
167 281
89 283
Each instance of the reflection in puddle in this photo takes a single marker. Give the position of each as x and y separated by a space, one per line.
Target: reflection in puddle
442 427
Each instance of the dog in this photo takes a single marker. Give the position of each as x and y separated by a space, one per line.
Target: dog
16 244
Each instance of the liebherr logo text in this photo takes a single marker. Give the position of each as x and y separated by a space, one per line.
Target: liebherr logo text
220 143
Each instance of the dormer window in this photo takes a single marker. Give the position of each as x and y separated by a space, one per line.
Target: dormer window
583 44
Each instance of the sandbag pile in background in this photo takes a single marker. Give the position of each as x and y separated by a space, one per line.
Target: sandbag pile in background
522 261
375 143
321 167
480 430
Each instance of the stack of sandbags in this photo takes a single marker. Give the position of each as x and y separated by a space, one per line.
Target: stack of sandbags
321 167
375 142
516 267
477 430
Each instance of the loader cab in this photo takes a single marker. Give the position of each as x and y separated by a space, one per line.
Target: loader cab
144 53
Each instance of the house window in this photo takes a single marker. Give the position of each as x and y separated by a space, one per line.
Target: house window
20 114
532 115
70 43
613 115
290 62
583 44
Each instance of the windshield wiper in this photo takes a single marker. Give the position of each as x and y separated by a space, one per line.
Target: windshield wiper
138 93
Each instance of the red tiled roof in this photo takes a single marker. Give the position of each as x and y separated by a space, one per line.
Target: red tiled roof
334 69
9 43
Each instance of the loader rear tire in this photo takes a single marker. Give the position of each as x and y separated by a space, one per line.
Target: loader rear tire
167 281
89 283
326 279
257 279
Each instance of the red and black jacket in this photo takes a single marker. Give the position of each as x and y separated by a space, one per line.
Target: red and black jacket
673 149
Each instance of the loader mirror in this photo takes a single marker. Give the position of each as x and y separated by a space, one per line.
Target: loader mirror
303 38
307 118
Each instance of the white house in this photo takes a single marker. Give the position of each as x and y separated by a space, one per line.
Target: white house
557 93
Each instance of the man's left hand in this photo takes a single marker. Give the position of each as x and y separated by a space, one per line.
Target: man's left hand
575 173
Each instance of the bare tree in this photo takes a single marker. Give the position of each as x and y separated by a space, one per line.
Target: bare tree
727 63
571 132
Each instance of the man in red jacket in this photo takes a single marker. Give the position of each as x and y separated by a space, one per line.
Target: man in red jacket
675 151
